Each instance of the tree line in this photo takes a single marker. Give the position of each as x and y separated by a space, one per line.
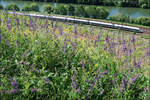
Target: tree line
120 3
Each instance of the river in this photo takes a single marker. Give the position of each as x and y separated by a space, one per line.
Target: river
128 11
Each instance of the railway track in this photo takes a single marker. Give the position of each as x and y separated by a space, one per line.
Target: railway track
73 20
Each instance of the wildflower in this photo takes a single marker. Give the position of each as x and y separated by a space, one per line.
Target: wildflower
134 79
74 85
107 39
17 20
123 84
65 47
105 47
132 39
14 84
129 52
60 31
34 90
124 48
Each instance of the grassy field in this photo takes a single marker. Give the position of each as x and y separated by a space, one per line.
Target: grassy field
42 59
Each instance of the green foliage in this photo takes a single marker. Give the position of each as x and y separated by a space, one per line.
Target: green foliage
60 10
48 8
34 7
79 11
143 21
70 9
26 7
1 7
12 7
140 20
37 62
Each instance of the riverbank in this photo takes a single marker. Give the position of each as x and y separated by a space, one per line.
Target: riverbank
127 11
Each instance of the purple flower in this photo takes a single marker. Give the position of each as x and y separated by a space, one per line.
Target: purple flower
123 84
105 47
34 90
107 39
132 39
65 47
60 31
74 84
134 79
129 52
137 64
17 20
124 48
148 51
14 84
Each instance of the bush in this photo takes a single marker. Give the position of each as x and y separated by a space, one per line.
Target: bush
48 9
70 9
1 7
143 21
34 7
26 7
60 10
79 11
102 13
122 18
12 7
96 12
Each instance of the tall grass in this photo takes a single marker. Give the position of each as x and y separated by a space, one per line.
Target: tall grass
42 59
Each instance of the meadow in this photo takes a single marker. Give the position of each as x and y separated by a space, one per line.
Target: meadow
42 59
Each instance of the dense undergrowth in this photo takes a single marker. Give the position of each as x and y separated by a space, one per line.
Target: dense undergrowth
42 59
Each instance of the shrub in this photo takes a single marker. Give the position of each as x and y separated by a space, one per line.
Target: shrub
60 10
143 21
12 7
48 8
70 9
79 11
1 7
34 7
120 18
102 13
26 7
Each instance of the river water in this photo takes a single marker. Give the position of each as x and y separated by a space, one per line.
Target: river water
128 11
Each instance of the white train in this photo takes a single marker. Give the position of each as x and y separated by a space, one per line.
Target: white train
104 24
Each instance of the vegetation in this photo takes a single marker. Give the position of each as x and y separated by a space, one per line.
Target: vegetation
48 8
121 3
83 11
34 7
30 7
12 7
42 59
26 7
122 18
1 7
